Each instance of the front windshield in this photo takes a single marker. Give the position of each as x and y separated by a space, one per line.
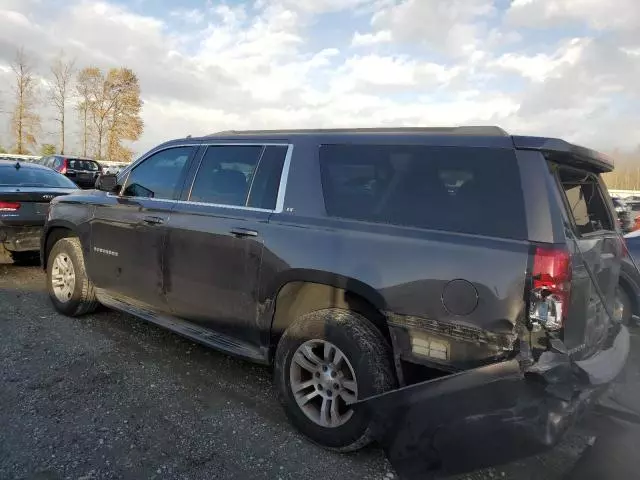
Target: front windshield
33 177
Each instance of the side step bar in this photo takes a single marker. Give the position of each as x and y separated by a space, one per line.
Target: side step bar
194 332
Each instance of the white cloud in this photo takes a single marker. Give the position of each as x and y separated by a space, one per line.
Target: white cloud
540 67
453 26
367 39
375 73
192 15
598 14
282 63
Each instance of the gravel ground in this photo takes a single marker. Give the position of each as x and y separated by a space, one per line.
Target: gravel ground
110 396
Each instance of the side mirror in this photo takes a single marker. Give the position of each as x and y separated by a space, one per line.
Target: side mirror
107 182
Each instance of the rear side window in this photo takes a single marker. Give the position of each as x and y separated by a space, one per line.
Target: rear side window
83 165
585 201
266 182
225 174
240 175
457 189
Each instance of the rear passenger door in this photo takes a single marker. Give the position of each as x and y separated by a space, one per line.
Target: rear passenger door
214 244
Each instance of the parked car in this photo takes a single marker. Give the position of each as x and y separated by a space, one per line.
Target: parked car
440 290
626 218
25 192
629 287
82 171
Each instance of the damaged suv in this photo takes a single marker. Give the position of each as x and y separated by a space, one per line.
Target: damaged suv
446 291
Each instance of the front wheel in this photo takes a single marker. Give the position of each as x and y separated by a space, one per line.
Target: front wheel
326 361
70 289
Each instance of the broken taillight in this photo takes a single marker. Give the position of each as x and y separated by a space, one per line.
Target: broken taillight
551 287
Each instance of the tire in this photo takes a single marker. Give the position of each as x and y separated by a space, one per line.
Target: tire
367 354
25 258
627 307
81 297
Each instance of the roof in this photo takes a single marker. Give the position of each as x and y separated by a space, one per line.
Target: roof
73 157
485 131
460 136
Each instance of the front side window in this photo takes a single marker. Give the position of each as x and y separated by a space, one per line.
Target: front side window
160 175
457 189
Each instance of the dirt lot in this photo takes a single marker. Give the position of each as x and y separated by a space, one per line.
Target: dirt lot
109 396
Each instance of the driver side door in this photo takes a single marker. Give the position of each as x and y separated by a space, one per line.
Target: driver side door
128 230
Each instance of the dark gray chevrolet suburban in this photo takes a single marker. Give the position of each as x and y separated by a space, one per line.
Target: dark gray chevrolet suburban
449 292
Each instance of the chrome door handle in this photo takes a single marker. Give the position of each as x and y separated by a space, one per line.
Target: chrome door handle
243 232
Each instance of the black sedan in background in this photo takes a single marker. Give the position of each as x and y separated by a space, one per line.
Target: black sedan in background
25 192
83 171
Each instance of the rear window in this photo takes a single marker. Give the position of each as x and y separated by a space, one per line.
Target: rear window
457 189
585 201
83 165
34 177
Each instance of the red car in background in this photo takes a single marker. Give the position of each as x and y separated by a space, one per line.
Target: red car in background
83 171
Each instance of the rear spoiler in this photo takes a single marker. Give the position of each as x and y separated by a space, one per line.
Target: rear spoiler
564 152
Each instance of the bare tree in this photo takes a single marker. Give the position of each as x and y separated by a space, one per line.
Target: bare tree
87 83
62 76
25 123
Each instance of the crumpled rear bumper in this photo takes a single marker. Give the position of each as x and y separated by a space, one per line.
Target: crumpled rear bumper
21 239
490 415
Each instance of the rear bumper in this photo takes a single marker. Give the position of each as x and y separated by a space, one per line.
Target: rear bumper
490 415
20 239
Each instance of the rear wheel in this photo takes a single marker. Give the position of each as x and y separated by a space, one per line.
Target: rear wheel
70 290
325 361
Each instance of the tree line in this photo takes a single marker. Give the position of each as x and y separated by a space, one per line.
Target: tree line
107 106
626 174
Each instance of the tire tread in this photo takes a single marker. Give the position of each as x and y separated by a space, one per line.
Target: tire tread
87 301
377 352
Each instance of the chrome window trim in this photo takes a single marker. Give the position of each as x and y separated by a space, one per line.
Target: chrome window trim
282 187
222 205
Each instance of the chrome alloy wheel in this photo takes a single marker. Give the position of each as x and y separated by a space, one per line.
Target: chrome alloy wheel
323 383
63 278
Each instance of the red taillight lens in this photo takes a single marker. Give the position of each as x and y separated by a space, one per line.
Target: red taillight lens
9 206
63 169
551 287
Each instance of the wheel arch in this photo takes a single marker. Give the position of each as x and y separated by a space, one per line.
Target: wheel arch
301 291
54 232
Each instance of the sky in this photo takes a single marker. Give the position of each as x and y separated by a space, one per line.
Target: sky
564 68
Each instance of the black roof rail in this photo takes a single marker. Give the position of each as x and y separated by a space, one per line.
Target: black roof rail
488 131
